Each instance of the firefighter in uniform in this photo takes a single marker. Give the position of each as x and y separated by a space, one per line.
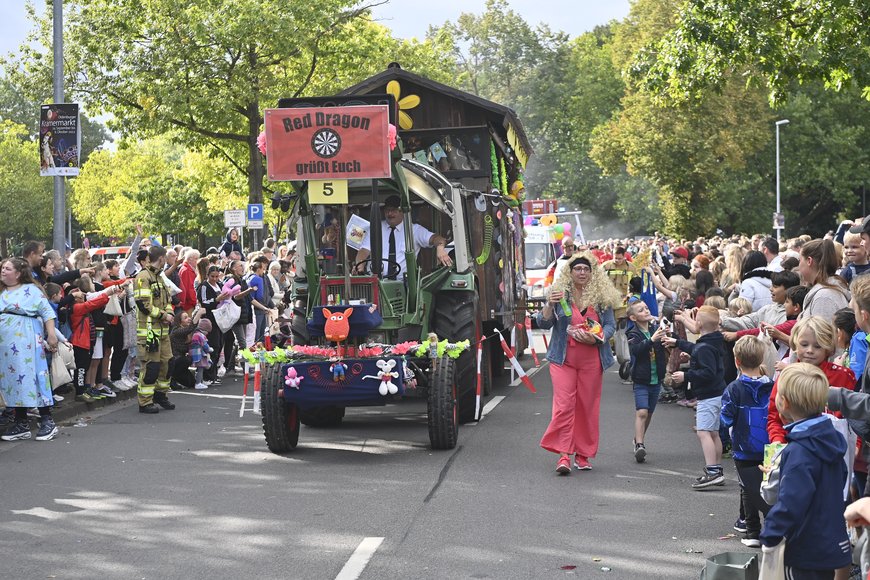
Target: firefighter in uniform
153 316
620 272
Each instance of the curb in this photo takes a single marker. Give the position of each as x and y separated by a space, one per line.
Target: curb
69 409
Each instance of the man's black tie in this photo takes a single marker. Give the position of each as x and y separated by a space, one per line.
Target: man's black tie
392 269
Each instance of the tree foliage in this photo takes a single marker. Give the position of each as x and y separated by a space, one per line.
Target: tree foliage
25 196
778 42
156 183
203 71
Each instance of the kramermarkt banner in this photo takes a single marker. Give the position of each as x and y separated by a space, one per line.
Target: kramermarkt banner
59 140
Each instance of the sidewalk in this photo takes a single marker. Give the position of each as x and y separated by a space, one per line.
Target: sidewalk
70 409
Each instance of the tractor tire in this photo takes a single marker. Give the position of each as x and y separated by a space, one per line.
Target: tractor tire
330 416
456 318
487 376
280 418
443 416
299 326
497 358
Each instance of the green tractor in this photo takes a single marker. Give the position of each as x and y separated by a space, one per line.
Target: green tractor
428 298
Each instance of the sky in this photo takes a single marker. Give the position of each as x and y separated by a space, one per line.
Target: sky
406 18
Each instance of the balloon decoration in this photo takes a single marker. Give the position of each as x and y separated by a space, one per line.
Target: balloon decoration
567 227
548 220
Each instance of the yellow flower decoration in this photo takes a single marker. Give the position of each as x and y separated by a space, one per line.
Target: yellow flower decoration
409 102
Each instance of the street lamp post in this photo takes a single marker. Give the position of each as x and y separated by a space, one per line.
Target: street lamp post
778 209
59 222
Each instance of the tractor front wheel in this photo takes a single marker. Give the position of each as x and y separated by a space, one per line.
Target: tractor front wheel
442 410
280 418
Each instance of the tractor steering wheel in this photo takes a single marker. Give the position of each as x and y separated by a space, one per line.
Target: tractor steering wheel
392 266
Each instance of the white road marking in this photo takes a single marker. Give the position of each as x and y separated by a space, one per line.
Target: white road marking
213 396
530 373
491 405
358 561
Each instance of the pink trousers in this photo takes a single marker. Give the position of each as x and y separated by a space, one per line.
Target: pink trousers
576 405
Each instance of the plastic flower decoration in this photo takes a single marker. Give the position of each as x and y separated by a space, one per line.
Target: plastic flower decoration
391 133
261 142
409 102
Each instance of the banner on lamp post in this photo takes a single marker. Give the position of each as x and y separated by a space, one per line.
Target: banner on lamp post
60 139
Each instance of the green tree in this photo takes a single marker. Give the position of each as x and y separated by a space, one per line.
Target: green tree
684 149
777 42
26 198
206 69
156 183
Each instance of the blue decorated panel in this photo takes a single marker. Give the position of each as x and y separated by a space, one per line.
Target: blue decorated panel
319 386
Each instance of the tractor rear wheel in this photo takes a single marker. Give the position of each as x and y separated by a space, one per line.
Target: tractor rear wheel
280 418
443 414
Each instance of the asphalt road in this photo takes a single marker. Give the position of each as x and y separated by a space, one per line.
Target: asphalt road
194 494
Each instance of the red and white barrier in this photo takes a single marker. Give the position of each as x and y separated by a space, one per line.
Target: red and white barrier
528 325
245 390
479 393
257 381
516 364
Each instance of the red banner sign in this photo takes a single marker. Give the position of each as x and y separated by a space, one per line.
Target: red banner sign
328 143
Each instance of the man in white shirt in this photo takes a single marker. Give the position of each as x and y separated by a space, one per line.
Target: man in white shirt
393 241
770 249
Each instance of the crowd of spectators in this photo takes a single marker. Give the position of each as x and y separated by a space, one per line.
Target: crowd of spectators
89 305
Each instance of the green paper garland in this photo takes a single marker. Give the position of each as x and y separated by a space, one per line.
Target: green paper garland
493 165
503 171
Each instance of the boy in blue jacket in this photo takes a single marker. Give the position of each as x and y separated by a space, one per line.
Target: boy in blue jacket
706 377
808 511
649 359
744 411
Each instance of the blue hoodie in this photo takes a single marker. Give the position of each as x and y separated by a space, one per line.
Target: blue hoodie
744 406
229 246
809 511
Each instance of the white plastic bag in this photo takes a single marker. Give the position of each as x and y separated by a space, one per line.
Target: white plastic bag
227 315
773 563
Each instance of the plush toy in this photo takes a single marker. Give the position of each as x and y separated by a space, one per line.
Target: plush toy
338 369
386 376
231 288
337 326
410 378
292 379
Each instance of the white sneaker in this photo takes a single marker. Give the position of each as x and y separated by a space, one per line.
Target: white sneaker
200 386
130 382
121 385
221 372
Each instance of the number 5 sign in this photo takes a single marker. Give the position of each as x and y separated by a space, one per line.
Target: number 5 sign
330 192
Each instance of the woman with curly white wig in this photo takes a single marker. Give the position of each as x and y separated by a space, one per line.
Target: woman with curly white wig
579 309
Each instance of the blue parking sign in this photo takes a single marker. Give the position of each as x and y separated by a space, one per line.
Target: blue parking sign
255 212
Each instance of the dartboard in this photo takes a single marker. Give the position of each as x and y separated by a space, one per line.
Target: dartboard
326 143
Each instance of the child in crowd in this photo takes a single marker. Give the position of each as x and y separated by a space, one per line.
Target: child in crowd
739 307
851 340
856 257
744 411
813 341
200 351
648 371
707 385
84 337
807 513
180 339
